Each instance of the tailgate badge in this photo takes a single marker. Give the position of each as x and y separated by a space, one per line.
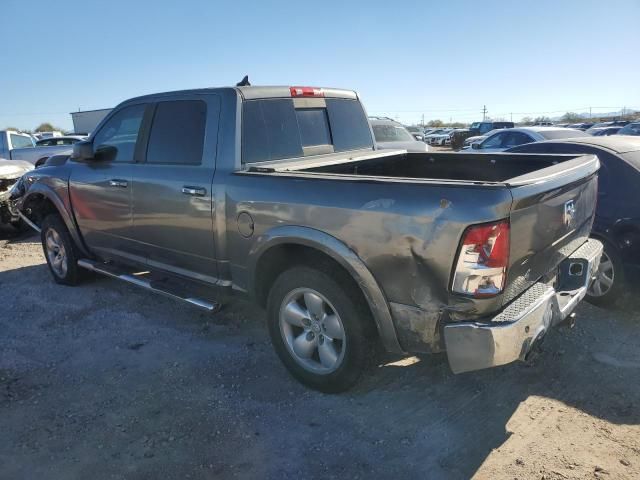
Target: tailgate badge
569 213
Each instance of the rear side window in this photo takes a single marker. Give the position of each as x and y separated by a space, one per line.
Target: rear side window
274 129
177 133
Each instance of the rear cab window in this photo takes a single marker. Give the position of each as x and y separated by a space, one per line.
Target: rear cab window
278 128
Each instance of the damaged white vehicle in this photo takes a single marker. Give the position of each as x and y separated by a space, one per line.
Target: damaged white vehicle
10 172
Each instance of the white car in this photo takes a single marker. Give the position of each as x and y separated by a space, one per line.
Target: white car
512 137
435 137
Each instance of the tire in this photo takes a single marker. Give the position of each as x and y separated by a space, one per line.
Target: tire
611 271
60 251
308 311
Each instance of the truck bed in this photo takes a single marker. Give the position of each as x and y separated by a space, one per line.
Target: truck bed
505 168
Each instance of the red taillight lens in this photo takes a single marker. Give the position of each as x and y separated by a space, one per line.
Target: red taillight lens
306 92
481 267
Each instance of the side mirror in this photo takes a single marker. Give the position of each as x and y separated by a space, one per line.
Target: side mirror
420 138
475 146
82 151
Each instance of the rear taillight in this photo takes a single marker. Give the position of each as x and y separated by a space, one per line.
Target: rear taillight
306 92
481 267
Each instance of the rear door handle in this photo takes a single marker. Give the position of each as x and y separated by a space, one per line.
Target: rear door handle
194 191
118 183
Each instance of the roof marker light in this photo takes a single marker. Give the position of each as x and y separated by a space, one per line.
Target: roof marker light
306 92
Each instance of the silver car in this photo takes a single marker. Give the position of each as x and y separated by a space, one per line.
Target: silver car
395 136
512 137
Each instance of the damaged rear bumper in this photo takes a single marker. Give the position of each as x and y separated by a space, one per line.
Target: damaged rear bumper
511 335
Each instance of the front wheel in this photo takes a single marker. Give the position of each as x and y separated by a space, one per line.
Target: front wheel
319 329
60 251
608 285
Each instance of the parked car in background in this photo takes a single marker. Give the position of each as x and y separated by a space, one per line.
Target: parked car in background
457 138
59 141
436 136
281 192
512 137
12 140
10 173
417 132
617 222
630 129
390 134
581 126
41 135
478 138
603 131
21 146
612 123
482 128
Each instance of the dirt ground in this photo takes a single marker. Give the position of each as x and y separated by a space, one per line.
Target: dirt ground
108 381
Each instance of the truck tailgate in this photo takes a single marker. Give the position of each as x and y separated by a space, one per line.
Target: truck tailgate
551 216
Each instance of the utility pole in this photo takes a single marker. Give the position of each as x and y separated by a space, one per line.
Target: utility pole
484 113
511 117
423 119
589 112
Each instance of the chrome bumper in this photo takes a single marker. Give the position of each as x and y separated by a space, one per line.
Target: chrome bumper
510 335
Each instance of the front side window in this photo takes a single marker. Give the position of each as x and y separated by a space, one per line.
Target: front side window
495 141
19 141
177 133
116 140
513 139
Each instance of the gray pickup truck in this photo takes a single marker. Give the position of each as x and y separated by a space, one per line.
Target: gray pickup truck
280 193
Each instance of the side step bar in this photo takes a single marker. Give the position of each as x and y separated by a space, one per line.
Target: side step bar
109 271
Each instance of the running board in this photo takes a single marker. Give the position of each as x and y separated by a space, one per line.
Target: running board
112 272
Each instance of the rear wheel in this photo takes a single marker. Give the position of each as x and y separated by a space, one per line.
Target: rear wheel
608 285
60 250
319 329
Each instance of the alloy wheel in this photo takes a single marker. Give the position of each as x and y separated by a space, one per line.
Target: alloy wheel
312 330
56 253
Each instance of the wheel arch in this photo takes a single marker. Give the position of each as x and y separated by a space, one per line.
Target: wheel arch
286 246
40 201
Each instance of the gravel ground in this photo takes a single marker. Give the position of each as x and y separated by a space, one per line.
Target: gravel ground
108 381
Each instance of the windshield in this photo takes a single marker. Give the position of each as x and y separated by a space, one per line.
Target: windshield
563 133
391 133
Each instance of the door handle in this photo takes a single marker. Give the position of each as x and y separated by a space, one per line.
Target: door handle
118 183
194 191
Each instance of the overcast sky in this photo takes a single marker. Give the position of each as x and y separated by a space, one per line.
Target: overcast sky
441 59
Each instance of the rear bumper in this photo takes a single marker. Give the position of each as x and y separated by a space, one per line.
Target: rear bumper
510 335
